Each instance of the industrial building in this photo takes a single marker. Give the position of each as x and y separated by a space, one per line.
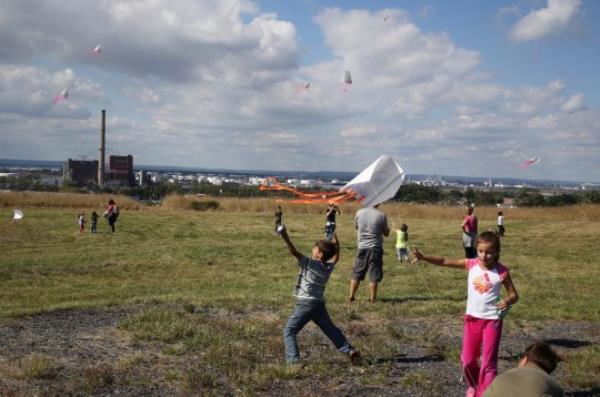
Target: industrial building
80 171
120 169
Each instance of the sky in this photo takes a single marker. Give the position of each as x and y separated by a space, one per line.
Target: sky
462 87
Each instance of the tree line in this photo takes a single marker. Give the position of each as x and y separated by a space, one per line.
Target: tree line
411 193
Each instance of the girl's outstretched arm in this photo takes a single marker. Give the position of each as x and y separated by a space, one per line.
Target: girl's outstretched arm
439 260
513 295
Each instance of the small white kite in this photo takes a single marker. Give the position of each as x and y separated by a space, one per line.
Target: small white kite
97 50
386 17
346 80
530 162
63 96
377 183
304 86
17 215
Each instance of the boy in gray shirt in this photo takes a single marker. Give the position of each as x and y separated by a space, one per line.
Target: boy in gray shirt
310 298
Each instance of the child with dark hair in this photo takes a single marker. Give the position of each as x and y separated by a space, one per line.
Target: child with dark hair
332 210
501 229
310 298
94 222
485 309
532 377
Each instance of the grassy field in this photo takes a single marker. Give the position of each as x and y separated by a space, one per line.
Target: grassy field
206 295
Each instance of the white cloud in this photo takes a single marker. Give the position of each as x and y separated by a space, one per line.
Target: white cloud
30 90
573 104
358 131
545 21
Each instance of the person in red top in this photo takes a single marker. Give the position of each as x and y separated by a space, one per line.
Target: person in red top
469 228
111 214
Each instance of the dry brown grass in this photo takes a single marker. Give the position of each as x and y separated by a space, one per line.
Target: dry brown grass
582 212
174 202
65 200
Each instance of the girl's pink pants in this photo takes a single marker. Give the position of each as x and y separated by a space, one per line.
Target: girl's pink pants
478 332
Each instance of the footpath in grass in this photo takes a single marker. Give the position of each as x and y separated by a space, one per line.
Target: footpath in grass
187 302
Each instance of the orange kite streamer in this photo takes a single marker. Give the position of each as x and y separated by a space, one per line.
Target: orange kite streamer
335 197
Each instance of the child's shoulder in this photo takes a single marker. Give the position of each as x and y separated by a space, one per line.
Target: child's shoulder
501 268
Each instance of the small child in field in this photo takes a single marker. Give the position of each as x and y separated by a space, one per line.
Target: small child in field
332 210
500 223
94 221
402 243
485 309
81 221
310 298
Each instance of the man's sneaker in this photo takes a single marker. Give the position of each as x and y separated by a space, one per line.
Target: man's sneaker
354 356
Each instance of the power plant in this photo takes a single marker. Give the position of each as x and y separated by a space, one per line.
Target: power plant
94 171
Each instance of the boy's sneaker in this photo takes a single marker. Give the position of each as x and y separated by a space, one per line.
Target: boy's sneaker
354 356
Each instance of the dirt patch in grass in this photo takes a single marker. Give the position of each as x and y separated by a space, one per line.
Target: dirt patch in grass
109 352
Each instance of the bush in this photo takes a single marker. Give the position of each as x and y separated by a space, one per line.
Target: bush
205 205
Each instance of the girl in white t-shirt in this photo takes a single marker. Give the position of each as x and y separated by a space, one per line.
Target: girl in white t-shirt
485 309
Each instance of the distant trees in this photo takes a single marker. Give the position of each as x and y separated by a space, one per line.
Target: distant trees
435 194
408 193
533 198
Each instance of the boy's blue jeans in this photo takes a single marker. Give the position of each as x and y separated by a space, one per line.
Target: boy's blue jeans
305 311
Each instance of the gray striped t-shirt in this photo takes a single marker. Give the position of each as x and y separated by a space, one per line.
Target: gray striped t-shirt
312 278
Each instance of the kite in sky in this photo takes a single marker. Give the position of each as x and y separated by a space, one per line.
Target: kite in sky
63 96
377 183
530 162
304 86
346 80
97 50
386 17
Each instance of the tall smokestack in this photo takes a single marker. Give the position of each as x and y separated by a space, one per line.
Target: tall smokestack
102 149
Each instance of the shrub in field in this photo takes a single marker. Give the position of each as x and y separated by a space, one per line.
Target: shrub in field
205 205
97 377
37 367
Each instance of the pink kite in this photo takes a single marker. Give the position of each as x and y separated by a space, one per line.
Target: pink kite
304 86
63 96
530 162
346 81
97 50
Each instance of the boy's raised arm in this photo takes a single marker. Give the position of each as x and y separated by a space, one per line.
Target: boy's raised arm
335 241
290 246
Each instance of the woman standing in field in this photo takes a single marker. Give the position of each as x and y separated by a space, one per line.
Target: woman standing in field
111 214
469 228
485 309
